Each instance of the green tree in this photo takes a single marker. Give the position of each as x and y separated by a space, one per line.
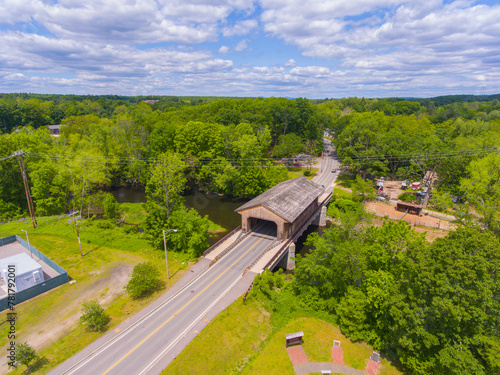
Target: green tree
288 145
93 317
144 279
110 206
482 189
167 181
25 354
363 188
192 232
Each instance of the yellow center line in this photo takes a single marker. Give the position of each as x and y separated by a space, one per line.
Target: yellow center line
182 308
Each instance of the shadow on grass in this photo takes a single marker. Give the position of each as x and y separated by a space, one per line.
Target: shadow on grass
39 363
161 286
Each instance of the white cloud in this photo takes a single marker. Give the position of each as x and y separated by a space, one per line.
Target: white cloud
224 49
240 28
291 62
315 71
241 45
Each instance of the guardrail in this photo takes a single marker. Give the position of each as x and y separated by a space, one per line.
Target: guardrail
229 248
273 244
217 244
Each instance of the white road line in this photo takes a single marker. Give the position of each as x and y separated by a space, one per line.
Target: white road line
197 320
129 329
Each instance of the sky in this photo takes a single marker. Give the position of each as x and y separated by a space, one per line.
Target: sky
291 48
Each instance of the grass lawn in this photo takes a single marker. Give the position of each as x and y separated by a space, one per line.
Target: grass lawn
294 172
241 339
49 322
346 180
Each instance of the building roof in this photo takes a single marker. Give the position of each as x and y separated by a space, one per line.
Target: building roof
413 205
288 199
23 263
55 127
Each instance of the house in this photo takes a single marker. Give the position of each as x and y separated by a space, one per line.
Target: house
55 130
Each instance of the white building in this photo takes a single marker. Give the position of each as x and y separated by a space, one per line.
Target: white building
27 271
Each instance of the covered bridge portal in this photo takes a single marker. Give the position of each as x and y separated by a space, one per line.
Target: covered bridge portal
288 204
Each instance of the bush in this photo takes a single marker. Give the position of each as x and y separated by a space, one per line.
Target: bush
94 317
307 172
130 229
104 224
406 197
144 280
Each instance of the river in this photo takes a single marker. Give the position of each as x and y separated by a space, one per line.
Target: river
220 210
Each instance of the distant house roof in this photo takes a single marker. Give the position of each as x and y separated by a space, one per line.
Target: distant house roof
55 127
288 199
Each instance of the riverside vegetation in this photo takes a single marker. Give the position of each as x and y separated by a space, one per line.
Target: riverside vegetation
434 307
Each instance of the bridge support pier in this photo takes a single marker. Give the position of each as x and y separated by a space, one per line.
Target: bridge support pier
320 220
286 262
290 263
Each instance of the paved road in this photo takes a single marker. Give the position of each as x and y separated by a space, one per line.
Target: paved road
139 348
329 162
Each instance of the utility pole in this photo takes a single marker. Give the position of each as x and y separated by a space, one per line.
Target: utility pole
78 235
165 245
31 208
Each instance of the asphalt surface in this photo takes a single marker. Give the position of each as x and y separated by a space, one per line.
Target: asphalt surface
146 343
328 163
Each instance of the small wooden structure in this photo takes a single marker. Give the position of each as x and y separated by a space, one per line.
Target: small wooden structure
412 208
294 339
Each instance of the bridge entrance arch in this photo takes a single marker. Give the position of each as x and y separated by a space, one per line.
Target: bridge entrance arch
262 226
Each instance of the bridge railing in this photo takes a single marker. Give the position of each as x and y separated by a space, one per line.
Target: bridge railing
279 253
229 248
218 243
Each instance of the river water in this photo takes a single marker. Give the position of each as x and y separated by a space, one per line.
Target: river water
220 210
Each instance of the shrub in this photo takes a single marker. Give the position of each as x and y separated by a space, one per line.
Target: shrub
307 172
144 280
94 317
104 224
406 197
130 229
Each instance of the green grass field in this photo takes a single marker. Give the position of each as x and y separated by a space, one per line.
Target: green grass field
49 322
242 339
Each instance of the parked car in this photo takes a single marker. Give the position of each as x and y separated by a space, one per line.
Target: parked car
297 165
334 170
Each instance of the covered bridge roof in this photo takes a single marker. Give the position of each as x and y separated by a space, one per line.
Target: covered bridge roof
288 199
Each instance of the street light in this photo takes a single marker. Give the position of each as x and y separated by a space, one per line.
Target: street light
27 238
165 244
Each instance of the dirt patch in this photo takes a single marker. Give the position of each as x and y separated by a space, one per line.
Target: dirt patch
107 286
433 227
393 189
389 211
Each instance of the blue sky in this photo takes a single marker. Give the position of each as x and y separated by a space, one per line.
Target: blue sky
314 48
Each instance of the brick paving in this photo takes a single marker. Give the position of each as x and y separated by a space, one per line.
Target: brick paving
337 356
372 367
297 355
